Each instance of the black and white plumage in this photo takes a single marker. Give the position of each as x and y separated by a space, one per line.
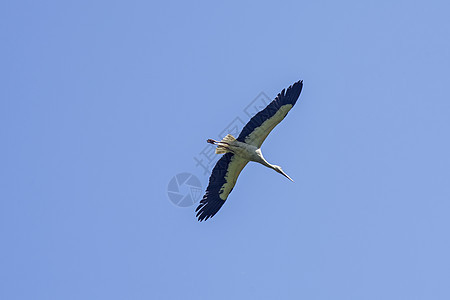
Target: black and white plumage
238 152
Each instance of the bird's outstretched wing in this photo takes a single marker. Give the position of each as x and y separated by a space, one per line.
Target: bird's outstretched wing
259 127
221 183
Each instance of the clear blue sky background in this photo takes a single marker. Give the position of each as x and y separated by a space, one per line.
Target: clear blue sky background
103 102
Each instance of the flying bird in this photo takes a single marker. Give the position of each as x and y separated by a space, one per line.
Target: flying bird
247 147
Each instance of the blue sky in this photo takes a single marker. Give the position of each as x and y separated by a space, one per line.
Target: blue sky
103 102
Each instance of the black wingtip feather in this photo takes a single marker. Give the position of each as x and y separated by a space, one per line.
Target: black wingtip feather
209 206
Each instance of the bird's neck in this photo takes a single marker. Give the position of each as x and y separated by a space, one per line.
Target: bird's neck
263 161
266 163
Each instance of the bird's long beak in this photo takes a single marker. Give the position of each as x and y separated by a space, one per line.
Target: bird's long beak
286 175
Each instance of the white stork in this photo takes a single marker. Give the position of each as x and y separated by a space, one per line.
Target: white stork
247 147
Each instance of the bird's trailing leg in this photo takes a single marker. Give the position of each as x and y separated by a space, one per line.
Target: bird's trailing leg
222 147
211 141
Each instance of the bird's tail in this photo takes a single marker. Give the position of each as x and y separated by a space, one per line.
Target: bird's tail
222 146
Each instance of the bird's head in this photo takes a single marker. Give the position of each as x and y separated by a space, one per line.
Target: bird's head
279 170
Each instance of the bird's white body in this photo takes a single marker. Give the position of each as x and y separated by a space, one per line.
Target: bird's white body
246 151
